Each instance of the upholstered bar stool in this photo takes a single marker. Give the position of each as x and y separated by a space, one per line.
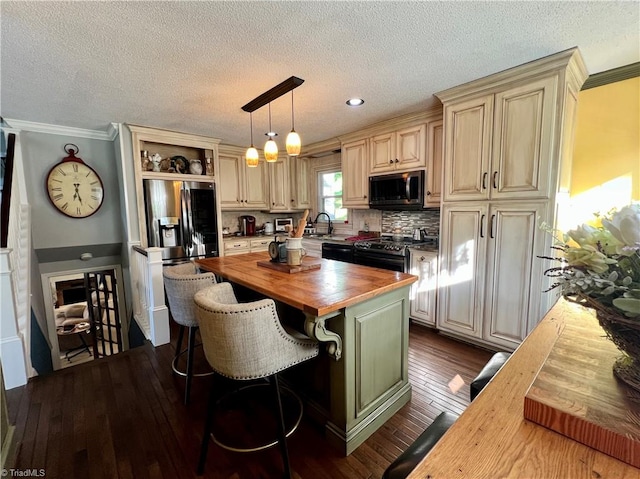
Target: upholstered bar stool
181 283
246 341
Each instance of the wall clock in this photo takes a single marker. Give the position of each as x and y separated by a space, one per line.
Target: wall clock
74 188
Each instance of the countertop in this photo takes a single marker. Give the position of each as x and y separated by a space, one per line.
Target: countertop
334 286
492 439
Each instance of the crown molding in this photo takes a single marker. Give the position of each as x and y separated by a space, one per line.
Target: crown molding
61 130
570 60
611 76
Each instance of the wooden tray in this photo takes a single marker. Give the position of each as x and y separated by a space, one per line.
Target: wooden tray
576 394
308 263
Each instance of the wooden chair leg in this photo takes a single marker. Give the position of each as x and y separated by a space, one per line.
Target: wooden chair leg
190 348
282 438
204 447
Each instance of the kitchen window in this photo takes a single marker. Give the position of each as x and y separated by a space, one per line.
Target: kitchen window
330 195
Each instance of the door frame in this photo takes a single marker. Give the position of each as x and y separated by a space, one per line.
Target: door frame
48 278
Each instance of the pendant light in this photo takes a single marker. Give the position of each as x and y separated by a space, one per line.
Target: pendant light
293 139
251 155
270 147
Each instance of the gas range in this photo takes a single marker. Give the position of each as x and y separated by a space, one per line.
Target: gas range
386 245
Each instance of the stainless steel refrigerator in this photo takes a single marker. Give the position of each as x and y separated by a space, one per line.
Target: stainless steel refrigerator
181 218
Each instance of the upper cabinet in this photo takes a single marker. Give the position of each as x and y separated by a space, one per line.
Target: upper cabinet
300 181
279 186
240 186
355 174
410 142
504 144
433 187
400 150
289 184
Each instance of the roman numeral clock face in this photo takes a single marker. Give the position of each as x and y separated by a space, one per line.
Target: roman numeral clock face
75 189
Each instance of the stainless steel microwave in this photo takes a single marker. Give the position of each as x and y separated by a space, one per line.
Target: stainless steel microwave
399 191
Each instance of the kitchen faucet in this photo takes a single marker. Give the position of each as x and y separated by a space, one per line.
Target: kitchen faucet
330 229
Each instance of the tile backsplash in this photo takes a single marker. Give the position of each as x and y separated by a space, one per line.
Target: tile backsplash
376 220
410 220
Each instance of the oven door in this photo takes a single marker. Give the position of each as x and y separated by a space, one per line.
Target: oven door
338 252
381 260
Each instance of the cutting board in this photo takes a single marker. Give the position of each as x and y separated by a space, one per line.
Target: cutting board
576 394
308 263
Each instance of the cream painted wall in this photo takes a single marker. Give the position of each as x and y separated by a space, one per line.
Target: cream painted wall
606 161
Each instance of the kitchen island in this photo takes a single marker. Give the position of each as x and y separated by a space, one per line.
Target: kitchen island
362 315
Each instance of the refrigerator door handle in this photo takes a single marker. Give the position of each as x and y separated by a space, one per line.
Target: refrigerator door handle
184 220
190 230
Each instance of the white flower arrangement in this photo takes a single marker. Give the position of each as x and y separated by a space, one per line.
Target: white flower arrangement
602 261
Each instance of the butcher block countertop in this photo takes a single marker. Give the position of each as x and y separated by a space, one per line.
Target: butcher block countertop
493 439
335 285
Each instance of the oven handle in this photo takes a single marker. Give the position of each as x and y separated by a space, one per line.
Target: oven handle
358 253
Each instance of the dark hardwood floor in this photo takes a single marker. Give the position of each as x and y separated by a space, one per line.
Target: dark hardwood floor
123 417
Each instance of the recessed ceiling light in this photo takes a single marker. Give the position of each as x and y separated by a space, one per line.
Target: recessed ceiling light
355 101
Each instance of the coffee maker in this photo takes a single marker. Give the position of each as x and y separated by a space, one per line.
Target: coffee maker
248 225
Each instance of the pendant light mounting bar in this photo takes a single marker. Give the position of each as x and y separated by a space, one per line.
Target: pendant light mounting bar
270 95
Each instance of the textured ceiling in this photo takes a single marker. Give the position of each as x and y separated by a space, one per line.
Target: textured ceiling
190 66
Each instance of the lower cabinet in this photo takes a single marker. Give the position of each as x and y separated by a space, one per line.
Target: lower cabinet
490 277
313 247
243 245
422 302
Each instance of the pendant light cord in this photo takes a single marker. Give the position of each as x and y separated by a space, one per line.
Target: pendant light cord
251 120
292 123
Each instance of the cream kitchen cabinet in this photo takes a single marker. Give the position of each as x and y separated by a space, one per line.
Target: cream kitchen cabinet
300 174
508 141
242 187
243 244
236 246
400 150
355 174
422 303
500 145
490 279
279 187
313 247
433 186
260 244
289 184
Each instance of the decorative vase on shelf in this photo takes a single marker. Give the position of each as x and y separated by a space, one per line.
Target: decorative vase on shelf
195 167
155 160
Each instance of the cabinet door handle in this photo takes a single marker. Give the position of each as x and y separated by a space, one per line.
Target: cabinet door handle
495 174
397 160
391 162
428 193
482 227
491 228
422 258
484 180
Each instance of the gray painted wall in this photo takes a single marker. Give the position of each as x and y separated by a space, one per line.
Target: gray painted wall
52 229
55 236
